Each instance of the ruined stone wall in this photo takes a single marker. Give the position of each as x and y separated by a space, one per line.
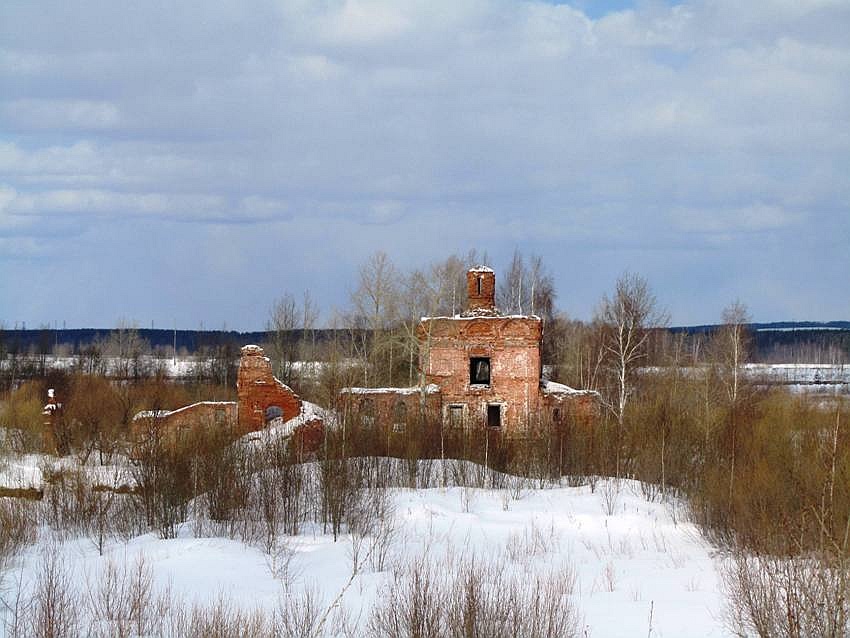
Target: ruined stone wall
258 390
580 409
172 425
218 414
387 409
480 290
512 346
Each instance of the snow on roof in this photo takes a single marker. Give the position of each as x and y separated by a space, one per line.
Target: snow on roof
431 388
481 269
161 414
151 414
281 383
194 405
310 412
251 349
550 387
485 314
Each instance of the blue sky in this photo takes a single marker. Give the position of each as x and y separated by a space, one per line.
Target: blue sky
599 8
190 163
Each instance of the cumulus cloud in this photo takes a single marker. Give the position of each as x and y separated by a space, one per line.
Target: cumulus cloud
604 142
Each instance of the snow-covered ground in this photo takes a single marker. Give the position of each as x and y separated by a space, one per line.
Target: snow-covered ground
638 565
799 373
181 367
28 471
799 377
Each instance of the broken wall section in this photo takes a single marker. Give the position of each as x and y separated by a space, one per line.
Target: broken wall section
263 399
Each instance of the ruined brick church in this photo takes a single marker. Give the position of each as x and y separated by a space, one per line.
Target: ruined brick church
478 369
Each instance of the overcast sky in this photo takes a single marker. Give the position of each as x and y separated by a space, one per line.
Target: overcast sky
190 162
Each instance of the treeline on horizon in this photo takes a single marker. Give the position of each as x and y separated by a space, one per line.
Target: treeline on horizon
776 342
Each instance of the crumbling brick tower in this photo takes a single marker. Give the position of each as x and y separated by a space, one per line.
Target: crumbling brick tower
481 292
263 399
487 365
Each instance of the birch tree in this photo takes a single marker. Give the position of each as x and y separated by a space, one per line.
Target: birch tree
283 319
626 319
730 347
375 312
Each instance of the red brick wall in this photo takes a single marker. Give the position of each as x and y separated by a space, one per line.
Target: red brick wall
171 424
581 409
513 346
206 413
356 404
258 389
485 297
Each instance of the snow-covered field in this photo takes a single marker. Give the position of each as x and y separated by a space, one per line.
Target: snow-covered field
815 378
181 367
188 366
640 570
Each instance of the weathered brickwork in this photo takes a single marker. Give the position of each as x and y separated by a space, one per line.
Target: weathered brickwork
262 398
510 346
483 370
263 401
579 407
481 290
218 414
392 410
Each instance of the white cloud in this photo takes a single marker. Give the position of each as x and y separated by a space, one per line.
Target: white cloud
748 219
100 203
62 114
365 22
544 122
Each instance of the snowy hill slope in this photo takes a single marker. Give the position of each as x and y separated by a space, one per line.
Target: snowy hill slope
639 570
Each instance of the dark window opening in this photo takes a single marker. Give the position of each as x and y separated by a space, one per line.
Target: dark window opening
479 371
479 286
556 415
494 416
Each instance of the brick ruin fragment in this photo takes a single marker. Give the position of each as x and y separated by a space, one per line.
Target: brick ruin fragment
479 369
263 401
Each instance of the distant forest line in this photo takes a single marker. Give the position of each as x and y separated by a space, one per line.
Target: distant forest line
776 342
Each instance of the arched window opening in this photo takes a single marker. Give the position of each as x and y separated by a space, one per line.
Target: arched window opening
274 416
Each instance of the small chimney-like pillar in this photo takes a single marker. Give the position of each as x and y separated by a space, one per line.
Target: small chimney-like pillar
481 290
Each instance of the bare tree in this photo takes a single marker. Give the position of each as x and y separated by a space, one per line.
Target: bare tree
94 412
283 320
53 611
127 346
526 288
510 293
730 346
375 304
626 319
309 317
